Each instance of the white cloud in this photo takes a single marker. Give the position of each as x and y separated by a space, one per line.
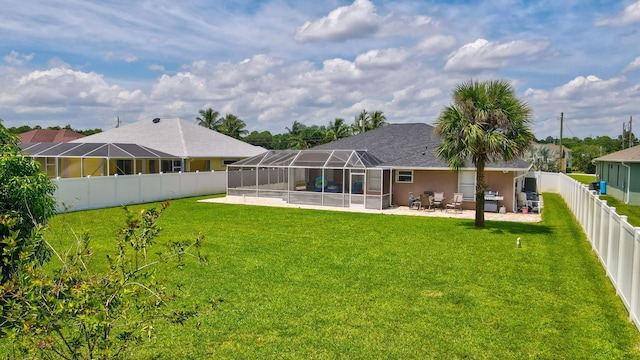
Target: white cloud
633 66
64 91
592 106
436 44
347 22
483 54
630 15
388 58
16 59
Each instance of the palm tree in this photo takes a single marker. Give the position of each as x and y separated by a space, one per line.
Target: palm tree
209 119
486 122
360 122
542 158
377 119
337 130
233 126
295 138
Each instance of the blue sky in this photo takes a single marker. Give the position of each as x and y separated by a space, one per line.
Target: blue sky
277 61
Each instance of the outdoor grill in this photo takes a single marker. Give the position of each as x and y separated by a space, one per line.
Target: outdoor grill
491 199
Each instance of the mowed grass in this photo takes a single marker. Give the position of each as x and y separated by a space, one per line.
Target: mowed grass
631 211
300 284
583 178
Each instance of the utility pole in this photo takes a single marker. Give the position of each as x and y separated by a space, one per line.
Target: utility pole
562 166
624 129
630 133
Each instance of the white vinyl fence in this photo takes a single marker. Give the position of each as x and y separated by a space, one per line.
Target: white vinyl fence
613 239
74 194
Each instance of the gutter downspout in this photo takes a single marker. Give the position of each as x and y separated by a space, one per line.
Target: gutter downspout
628 180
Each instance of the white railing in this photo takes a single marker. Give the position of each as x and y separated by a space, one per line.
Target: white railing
74 194
613 239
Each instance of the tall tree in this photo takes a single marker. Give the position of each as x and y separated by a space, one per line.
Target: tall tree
368 120
377 119
263 139
582 157
233 126
486 122
360 122
337 130
209 119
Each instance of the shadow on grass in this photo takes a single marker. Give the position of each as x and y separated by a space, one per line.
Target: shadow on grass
504 227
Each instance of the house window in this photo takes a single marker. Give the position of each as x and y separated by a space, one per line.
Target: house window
153 167
467 184
50 166
228 162
171 165
404 176
124 167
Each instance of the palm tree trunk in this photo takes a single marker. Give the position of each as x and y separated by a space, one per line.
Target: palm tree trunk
480 186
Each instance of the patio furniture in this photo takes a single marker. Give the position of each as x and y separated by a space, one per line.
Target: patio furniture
414 203
438 200
427 202
456 204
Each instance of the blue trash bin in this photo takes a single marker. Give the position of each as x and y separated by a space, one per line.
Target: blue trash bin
603 187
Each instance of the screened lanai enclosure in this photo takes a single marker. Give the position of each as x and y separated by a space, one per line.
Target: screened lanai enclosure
71 160
338 178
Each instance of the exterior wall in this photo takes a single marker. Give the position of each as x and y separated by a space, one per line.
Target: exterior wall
70 167
634 196
447 181
615 174
503 184
94 167
425 180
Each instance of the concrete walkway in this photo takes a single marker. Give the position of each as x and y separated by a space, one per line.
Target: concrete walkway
400 210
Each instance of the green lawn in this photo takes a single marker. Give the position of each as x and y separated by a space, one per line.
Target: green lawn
300 284
583 178
631 211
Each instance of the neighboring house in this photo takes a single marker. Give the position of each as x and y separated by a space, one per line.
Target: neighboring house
48 135
403 161
195 147
621 172
567 155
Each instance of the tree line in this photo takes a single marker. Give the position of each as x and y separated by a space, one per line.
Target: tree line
26 128
298 136
584 150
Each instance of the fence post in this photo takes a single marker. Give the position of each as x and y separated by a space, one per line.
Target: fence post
635 281
591 211
603 219
620 246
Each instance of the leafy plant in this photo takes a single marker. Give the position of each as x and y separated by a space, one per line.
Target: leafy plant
26 196
76 313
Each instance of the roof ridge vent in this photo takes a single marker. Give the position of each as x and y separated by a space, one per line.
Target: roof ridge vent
156 120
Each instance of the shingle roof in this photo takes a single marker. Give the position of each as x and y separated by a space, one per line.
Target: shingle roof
178 137
407 145
48 135
631 154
